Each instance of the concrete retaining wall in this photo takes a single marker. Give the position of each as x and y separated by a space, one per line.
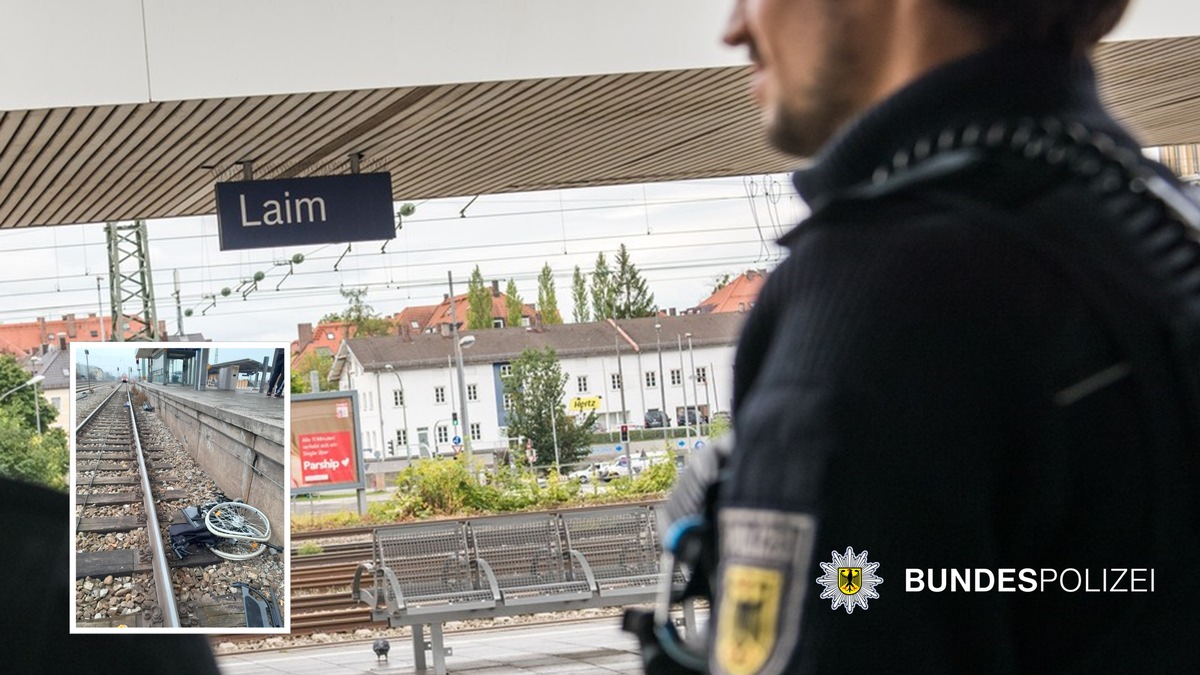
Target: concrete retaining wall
242 455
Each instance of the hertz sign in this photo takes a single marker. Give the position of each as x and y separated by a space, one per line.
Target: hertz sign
585 404
294 211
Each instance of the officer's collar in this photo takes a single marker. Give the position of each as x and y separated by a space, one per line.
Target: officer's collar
1008 81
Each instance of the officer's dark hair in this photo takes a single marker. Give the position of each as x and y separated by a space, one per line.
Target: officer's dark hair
1076 24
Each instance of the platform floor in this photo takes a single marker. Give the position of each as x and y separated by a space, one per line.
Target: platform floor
249 403
597 646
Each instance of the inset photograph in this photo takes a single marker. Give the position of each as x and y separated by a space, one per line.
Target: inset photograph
179 487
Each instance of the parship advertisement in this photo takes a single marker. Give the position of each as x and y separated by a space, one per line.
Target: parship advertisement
325 452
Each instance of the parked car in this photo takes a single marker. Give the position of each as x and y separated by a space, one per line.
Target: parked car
655 419
585 475
692 416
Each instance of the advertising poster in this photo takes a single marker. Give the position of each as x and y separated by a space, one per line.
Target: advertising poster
325 453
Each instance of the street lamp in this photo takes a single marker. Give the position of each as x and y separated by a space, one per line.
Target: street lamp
36 407
695 396
88 364
687 429
662 383
403 408
379 409
459 345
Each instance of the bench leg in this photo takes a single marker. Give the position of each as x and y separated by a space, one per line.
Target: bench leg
418 638
438 648
689 617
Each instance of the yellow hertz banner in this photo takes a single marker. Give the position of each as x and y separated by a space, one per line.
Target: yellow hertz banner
585 403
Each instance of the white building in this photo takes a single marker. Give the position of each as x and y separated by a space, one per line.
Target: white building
408 387
54 365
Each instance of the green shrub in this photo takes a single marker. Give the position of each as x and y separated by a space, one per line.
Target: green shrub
309 548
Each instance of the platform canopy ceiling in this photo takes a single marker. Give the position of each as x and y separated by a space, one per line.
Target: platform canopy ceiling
161 159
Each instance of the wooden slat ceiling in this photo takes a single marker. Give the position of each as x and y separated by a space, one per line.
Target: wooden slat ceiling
159 160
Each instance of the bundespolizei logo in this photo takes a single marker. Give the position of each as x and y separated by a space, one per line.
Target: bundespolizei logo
849 580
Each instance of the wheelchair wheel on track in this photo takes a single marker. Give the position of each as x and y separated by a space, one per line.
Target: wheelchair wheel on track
237 520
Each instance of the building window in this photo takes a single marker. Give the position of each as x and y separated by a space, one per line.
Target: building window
676 376
472 392
398 398
439 394
330 336
401 438
497 323
702 375
616 381
95 334
56 402
508 402
651 380
582 384
476 431
505 370
443 434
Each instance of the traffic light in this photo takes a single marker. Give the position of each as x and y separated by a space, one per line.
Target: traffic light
454 418
391 447
624 433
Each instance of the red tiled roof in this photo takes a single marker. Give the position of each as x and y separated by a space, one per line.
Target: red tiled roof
738 295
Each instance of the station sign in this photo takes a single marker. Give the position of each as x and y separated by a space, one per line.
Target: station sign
325 447
295 211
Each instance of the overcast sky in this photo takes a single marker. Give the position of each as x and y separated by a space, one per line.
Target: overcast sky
681 235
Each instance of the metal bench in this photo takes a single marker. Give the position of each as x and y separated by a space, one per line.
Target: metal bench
429 573
623 553
420 571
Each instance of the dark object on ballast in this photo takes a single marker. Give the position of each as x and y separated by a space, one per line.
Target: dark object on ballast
381 648
261 611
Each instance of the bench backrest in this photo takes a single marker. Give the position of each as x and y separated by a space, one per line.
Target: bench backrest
522 550
427 559
618 543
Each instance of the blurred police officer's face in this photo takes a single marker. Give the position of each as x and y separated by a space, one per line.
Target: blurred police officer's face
810 64
819 63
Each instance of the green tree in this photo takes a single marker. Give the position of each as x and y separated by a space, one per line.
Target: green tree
536 387
633 297
579 297
27 456
479 302
359 314
301 383
721 281
547 300
20 403
513 303
604 300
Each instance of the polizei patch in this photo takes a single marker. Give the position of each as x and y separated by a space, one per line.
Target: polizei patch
764 560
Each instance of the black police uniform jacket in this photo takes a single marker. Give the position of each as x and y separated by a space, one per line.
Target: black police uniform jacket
966 363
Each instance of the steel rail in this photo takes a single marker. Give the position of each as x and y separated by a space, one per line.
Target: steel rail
79 427
162 571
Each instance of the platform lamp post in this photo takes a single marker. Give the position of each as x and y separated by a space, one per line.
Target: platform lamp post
662 383
403 408
87 363
33 381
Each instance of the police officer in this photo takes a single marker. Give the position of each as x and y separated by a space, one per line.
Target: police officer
977 363
36 583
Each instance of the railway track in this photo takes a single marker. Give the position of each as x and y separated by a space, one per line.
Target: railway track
114 495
